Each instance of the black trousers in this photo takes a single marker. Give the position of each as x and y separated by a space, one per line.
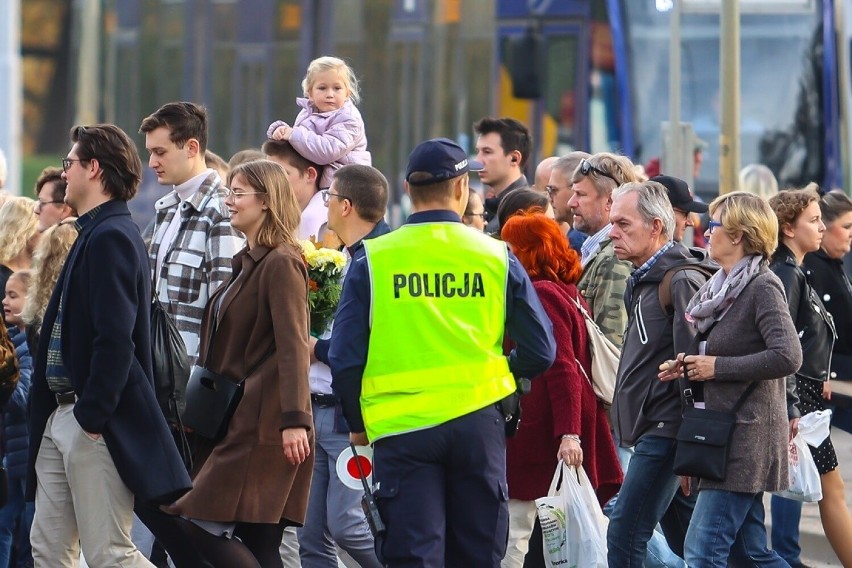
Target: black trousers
255 545
442 494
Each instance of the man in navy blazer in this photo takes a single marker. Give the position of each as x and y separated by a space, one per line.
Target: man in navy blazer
98 437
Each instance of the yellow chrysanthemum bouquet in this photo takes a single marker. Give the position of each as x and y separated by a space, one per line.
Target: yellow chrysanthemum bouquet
325 268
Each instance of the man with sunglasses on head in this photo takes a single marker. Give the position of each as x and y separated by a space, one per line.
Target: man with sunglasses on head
50 193
604 276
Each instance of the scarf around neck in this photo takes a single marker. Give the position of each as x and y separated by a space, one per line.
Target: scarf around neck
718 294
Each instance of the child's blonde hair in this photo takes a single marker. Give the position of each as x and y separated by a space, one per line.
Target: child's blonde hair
327 63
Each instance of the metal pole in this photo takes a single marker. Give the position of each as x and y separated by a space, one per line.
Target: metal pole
729 82
11 93
89 63
675 155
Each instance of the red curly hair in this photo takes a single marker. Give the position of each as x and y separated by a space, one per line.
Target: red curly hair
541 247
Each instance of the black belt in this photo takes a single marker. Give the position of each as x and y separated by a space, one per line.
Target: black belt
69 397
323 400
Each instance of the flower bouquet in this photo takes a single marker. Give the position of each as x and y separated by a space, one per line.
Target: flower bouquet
325 267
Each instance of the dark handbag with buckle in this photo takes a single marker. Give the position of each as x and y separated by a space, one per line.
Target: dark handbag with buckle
212 399
704 437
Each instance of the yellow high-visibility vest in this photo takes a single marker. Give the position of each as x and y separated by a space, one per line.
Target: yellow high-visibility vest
438 312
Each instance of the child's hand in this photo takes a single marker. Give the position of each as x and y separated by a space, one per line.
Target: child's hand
282 133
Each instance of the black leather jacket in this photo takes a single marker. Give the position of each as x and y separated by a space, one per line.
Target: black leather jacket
814 324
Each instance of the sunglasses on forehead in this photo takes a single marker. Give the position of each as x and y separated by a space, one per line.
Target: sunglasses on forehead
586 168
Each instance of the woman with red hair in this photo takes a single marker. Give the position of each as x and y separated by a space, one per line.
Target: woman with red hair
562 417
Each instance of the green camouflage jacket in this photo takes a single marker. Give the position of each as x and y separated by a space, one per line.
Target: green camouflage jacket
602 285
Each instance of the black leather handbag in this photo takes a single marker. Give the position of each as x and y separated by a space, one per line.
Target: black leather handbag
212 399
704 437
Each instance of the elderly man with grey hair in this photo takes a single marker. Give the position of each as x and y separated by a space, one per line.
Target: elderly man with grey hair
646 412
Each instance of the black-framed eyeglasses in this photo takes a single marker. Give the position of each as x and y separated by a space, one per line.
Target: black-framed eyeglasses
482 215
586 168
39 203
711 226
66 163
328 194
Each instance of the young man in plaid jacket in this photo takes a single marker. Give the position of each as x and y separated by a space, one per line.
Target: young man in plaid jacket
193 241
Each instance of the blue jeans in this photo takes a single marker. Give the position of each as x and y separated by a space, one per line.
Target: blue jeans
334 512
728 524
9 516
648 488
786 514
659 553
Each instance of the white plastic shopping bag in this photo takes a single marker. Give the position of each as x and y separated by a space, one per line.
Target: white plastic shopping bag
572 524
805 483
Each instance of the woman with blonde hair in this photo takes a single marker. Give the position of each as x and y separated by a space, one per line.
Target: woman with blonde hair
18 235
48 259
254 482
801 230
750 346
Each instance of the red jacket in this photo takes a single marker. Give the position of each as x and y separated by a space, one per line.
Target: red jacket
562 402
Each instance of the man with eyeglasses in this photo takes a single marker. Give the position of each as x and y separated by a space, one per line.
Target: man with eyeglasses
560 189
50 191
357 201
98 440
683 203
604 276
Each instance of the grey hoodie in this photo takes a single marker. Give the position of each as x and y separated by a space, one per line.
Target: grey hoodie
643 404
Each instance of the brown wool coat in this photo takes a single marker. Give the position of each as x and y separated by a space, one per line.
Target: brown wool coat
755 341
245 477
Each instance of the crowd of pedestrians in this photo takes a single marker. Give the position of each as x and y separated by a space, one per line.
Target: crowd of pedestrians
478 301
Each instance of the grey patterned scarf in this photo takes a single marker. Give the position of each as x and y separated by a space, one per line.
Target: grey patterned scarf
717 295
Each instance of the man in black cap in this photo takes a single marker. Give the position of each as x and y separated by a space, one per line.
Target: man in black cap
417 361
682 202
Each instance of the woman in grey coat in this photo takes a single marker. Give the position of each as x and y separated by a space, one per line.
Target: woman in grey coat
741 312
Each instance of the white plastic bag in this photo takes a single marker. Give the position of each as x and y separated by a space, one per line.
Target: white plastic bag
572 524
805 483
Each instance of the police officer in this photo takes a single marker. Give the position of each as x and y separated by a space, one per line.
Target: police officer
417 360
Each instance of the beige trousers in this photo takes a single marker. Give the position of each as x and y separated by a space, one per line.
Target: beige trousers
80 501
521 522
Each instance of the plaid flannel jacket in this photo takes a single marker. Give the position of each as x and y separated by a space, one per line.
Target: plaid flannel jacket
200 258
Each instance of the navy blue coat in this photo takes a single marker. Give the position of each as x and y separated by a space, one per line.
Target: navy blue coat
105 288
16 435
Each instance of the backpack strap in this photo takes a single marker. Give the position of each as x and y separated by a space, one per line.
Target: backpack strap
665 290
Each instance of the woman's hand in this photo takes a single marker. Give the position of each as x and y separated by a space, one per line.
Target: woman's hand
295 444
570 452
700 367
794 428
826 390
671 369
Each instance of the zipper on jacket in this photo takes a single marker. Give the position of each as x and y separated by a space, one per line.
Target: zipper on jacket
640 322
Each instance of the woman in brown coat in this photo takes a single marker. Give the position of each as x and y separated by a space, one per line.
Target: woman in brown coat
256 480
